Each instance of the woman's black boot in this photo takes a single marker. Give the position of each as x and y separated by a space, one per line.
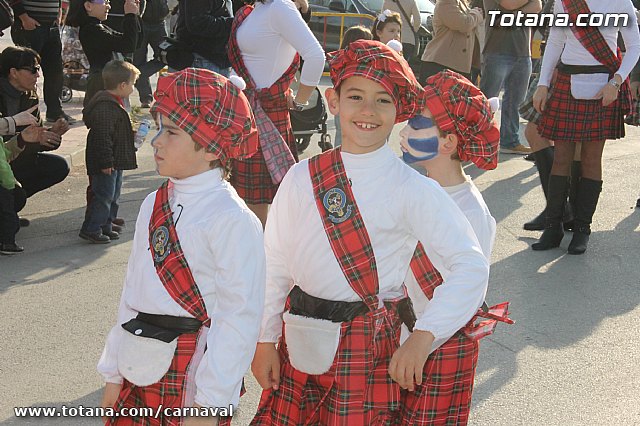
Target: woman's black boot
544 161
556 199
569 211
586 203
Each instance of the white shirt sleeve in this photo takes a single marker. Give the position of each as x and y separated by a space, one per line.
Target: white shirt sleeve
553 49
237 246
279 277
631 37
286 20
448 235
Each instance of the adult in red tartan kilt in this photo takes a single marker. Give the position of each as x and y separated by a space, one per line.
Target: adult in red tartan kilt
586 104
264 52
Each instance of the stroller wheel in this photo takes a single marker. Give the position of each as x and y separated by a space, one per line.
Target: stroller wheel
302 143
66 94
325 142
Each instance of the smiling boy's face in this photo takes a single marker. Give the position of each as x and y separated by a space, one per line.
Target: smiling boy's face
367 114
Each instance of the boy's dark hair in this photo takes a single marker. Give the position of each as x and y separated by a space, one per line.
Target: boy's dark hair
378 25
77 14
357 32
117 71
226 168
17 57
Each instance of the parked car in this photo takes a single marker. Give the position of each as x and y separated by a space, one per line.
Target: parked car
327 28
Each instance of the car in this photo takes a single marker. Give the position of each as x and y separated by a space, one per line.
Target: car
331 17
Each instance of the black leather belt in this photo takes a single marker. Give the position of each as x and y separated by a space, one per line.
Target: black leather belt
583 69
309 306
182 325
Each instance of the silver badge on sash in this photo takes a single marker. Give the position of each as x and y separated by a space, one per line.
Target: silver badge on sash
160 244
335 202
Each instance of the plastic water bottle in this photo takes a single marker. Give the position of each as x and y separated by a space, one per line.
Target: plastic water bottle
141 134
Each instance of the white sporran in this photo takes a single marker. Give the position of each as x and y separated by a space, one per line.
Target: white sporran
587 86
143 361
312 343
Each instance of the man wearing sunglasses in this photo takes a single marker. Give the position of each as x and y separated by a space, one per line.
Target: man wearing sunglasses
37 26
34 169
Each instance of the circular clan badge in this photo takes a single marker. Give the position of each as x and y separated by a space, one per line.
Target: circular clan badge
160 244
335 202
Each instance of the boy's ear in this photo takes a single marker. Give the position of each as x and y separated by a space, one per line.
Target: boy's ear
448 144
210 156
332 100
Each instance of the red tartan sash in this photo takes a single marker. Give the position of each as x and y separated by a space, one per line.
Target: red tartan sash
592 39
429 278
276 152
168 258
344 225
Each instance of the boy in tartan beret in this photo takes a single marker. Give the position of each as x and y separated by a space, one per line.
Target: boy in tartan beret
329 350
456 125
190 312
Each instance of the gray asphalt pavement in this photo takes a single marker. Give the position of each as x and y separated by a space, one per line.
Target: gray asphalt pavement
571 358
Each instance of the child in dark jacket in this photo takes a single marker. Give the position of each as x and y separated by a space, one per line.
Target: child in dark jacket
110 149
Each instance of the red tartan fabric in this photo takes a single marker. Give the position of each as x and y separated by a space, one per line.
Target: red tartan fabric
251 177
172 267
168 392
348 237
444 397
357 389
566 119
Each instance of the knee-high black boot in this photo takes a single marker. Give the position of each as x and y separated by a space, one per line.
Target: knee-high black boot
576 174
556 199
544 161
586 203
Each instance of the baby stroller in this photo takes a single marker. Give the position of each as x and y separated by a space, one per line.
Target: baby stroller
309 121
75 65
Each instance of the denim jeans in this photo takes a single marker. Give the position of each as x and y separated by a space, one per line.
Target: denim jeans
45 40
202 62
511 73
153 35
103 207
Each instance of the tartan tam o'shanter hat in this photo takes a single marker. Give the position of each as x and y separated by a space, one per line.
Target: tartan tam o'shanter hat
459 107
211 109
378 62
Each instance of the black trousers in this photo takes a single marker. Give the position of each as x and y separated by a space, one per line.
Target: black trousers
39 171
45 40
9 223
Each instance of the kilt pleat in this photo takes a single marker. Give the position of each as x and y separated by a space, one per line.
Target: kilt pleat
357 389
444 397
566 119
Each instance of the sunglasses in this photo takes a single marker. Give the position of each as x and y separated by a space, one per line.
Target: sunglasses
34 69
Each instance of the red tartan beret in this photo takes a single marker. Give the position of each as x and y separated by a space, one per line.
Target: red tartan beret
211 109
378 62
459 107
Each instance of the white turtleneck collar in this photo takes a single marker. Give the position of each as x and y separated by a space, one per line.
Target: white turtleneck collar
455 188
370 160
202 182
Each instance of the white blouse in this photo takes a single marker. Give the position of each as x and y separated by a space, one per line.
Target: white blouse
269 39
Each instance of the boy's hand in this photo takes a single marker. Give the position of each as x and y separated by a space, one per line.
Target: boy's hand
60 127
407 364
266 366
110 395
107 171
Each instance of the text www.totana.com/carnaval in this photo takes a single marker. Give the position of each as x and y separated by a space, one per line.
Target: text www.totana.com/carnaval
82 411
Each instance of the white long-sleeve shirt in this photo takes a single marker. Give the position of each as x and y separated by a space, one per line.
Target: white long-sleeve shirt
223 242
269 39
399 207
562 43
468 198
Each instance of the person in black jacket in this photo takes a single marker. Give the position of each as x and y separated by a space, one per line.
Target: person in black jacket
99 41
204 27
154 33
110 149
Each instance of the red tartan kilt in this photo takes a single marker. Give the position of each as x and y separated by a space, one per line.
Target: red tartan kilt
168 392
444 397
250 177
357 389
566 119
